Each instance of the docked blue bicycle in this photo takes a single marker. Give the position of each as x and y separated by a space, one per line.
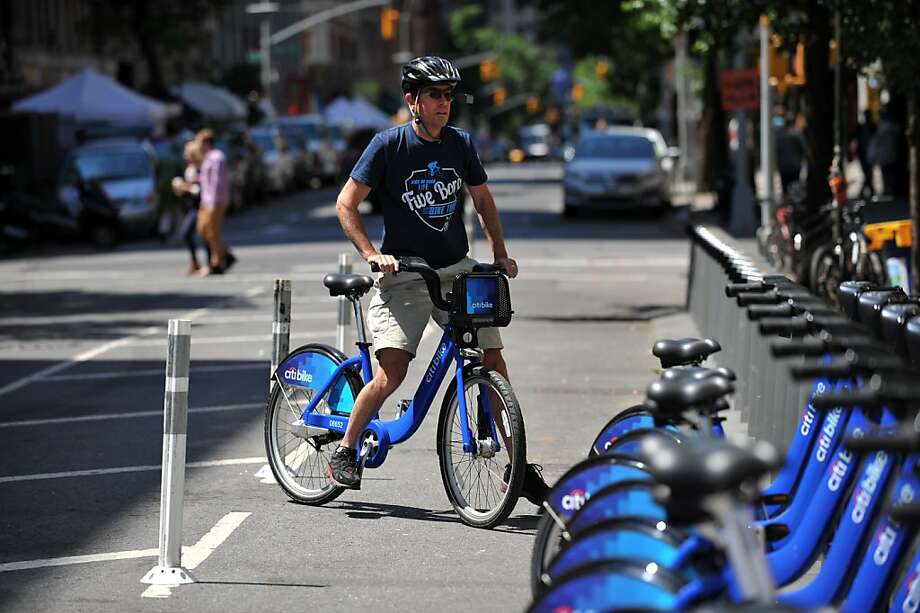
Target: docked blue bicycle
481 444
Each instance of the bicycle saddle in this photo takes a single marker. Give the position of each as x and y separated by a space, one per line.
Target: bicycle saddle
870 303
894 317
698 372
671 398
684 351
848 293
700 467
342 284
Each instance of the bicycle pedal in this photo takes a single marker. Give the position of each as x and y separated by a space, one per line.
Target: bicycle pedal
401 407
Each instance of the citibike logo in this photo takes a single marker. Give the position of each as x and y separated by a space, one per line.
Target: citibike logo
868 486
827 434
295 374
841 466
435 362
808 418
885 536
482 305
575 499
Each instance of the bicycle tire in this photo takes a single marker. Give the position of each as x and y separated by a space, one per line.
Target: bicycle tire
286 404
470 505
825 273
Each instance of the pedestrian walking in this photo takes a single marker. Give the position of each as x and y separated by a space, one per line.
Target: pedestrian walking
214 179
188 190
859 147
883 150
790 153
418 170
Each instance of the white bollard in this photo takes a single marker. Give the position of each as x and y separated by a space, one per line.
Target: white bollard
168 570
281 327
344 319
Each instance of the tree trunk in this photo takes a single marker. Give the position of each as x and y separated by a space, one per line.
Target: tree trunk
819 85
913 137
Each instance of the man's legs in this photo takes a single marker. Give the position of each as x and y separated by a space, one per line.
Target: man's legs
393 364
218 249
343 466
534 488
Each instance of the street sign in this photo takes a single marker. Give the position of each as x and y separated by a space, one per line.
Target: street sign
740 89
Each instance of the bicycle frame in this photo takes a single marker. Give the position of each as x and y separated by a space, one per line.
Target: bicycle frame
385 433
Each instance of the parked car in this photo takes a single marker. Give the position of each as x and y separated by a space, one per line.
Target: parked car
321 159
125 172
247 169
279 164
618 167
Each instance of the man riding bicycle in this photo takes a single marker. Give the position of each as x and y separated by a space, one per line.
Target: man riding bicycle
417 170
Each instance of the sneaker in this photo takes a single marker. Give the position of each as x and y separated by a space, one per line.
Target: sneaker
230 260
534 488
342 469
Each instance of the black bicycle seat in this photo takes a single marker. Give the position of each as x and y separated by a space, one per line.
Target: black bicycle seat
668 399
893 319
870 303
700 467
342 284
698 372
684 351
848 294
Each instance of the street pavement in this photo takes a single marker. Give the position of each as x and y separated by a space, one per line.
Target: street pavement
83 344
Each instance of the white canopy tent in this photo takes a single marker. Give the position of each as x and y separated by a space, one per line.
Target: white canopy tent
355 114
92 97
211 101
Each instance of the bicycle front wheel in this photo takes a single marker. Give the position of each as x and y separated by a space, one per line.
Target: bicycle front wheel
483 485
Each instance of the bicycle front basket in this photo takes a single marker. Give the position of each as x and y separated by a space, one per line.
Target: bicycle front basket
480 300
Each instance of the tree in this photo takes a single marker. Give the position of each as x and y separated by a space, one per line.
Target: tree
155 26
886 30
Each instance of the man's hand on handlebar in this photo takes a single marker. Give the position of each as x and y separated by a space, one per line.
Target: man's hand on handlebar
510 266
383 263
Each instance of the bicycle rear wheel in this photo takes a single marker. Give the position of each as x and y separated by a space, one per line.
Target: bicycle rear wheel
483 486
298 457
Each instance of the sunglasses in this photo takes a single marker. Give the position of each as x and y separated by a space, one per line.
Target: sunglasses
436 94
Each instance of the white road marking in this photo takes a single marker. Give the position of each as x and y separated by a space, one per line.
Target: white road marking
128 469
138 414
105 347
66 561
193 556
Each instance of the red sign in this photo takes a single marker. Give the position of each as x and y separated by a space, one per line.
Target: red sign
740 89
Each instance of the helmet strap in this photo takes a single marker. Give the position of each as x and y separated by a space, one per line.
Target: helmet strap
417 118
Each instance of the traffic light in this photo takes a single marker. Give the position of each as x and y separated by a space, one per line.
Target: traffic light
489 71
602 68
499 96
389 18
533 105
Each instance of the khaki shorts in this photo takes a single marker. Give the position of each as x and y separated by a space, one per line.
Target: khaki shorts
400 309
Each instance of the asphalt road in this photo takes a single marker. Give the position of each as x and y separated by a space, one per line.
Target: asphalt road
82 351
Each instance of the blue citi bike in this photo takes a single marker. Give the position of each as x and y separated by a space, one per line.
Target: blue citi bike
481 445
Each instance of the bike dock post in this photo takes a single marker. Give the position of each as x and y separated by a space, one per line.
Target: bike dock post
168 570
281 327
344 319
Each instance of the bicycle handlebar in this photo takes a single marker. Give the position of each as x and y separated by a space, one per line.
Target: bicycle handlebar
733 289
896 441
428 274
820 346
865 398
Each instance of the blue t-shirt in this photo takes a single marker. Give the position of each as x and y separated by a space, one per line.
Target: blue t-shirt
418 183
